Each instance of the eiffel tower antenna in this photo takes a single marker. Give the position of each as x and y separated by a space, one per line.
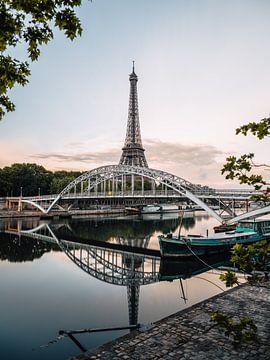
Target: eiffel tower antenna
133 151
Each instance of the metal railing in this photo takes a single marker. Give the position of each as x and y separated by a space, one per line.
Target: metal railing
139 193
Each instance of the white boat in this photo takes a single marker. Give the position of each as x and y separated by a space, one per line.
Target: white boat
162 208
192 207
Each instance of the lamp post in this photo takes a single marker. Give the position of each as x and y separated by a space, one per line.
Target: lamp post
39 192
21 191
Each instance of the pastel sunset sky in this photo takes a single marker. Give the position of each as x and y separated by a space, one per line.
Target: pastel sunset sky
203 68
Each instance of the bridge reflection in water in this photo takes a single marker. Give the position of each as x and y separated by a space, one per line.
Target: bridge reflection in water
118 262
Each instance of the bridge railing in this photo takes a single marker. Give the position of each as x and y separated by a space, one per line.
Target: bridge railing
135 193
138 193
236 191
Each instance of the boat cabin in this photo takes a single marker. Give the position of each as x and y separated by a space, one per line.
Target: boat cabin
261 226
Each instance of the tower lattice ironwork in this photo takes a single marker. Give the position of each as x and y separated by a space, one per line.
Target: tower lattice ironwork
133 151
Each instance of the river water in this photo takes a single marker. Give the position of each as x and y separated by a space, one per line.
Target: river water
48 284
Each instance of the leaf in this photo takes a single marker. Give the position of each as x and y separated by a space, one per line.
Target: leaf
30 22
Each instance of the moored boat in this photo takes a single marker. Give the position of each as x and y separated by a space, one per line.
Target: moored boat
168 208
246 232
157 209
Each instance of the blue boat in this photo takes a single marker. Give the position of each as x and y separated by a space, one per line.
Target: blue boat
246 232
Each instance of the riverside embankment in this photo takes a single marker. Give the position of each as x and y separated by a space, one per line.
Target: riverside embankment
189 334
5 214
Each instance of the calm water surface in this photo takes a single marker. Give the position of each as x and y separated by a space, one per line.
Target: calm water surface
47 284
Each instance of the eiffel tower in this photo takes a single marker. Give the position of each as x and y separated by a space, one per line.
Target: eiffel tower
133 151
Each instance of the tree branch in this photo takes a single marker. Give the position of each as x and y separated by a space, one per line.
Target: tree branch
30 22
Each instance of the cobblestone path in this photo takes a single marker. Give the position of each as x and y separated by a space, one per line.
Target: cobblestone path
189 334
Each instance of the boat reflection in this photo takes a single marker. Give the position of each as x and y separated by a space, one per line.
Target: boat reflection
172 269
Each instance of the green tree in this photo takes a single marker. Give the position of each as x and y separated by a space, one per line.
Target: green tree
5 185
248 259
61 179
253 257
30 22
31 179
229 278
242 331
22 249
242 168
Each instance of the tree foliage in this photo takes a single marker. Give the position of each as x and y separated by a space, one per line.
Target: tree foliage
15 249
30 22
229 278
259 129
248 259
242 331
33 179
61 179
251 258
241 168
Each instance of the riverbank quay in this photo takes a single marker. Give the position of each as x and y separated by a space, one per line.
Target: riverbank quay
59 214
189 334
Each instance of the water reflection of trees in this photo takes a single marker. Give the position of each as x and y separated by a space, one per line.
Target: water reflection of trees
104 229
19 248
189 223
16 248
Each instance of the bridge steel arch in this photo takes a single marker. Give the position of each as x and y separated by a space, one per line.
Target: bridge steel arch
104 268
33 204
104 173
115 275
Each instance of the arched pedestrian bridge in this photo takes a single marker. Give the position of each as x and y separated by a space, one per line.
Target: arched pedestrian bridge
133 183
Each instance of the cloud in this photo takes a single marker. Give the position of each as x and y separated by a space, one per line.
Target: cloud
197 163
106 156
174 153
75 144
157 153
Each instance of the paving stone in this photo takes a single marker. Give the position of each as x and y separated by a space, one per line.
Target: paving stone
188 334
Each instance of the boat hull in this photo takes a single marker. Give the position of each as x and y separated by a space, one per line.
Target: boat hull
170 249
173 247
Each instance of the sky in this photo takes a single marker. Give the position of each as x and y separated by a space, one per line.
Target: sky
203 69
